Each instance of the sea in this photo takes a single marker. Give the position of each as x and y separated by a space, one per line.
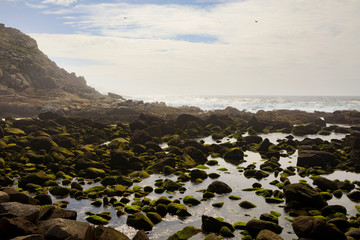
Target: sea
255 103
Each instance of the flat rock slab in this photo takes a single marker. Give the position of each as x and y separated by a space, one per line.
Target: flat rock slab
58 228
27 211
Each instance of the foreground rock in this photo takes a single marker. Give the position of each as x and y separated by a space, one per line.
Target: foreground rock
314 228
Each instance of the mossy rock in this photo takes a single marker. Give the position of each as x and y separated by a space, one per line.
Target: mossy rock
274 200
200 166
190 200
105 215
226 232
212 162
97 203
140 221
240 225
247 205
163 200
173 208
234 197
123 180
14 131
37 178
214 175
108 181
92 172
168 170
77 186
218 205
132 208
59 191
94 189
208 194
154 217
184 234
97 220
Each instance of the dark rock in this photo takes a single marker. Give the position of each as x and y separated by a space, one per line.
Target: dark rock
315 228
18 226
219 187
341 223
27 211
141 235
140 137
355 233
4 197
304 195
44 199
268 235
327 210
354 196
183 120
324 183
140 221
109 233
37 178
302 130
59 191
196 154
197 173
59 228
42 142
16 196
253 139
254 226
51 212
235 156
310 158
210 224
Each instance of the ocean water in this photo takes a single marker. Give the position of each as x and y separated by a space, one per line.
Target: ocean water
255 103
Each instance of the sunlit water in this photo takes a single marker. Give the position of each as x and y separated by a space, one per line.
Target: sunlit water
256 103
231 211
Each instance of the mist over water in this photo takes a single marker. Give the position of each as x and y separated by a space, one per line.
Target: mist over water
255 103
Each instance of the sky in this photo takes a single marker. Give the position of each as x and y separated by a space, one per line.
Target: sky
199 47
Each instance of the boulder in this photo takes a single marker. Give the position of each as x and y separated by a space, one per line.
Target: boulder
315 228
268 235
183 120
341 223
311 158
210 224
197 173
354 196
4 197
254 226
27 211
37 178
42 142
59 228
140 137
139 221
186 233
16 196
355 233
51 212
109 233
141 235
324 183
234 156
327 210
17 226
197 155
219 187
304 195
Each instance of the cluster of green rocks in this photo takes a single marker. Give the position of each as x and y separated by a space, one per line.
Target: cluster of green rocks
59 155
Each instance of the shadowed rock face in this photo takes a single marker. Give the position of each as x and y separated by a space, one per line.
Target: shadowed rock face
310 158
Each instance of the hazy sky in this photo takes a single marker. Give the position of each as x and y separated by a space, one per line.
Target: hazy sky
183 47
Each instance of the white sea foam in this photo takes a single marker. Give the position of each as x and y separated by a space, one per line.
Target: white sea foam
255 103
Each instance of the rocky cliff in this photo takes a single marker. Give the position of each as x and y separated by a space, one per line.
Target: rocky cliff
30 81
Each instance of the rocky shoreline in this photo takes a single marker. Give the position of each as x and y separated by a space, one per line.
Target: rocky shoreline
55 156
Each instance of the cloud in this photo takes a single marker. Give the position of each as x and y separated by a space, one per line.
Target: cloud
60 2
256 47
